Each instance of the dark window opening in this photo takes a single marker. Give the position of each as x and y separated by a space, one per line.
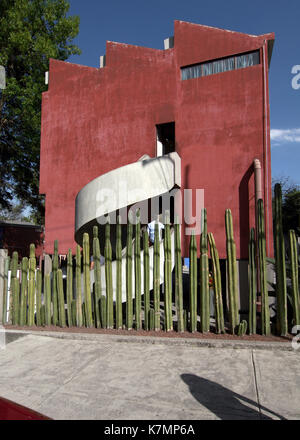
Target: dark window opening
165 138
221 65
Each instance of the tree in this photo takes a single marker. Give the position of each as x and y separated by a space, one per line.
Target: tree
290 204
31 32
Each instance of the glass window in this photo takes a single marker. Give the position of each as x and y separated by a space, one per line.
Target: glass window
218 66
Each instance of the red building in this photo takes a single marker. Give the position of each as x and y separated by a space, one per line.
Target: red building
210 88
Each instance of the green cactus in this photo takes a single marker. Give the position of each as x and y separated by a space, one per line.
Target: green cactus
108 278
16 300
119 317
252 283
69 288
54 284
87 282
178 279
24 287
13 299
47 285
129 305
193 283
79 319
31 286
83 314
74 311
279 246
137 272
185 319
242 328
151 319
146 280
168 275
103 311
97 275
204 277
156 279
265 312
5 289
61 299
231 273
294 277
43 315
38 297
217 285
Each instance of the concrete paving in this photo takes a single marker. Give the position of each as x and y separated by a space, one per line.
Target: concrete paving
104 377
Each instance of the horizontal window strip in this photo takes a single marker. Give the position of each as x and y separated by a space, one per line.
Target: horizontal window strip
219 66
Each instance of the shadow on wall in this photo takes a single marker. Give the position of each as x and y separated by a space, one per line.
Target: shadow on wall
224 403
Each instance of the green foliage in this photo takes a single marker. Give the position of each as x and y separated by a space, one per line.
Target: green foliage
31 32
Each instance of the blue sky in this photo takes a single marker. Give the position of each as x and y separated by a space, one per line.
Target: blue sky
148 23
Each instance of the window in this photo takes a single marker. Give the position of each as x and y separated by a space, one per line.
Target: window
222 65
165 138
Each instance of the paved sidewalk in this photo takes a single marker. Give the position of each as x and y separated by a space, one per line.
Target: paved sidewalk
105 377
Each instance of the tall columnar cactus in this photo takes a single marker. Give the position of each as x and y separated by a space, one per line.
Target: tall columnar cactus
129 305
5 289
146 280
217 285
156 279
178 279
70 287
193 283
24 287
61 299
252 283
38 297
231 273
78 288
279 246
97 275
137 272
204 277
294 277
87 281
119 318
168 276
16 307
108 278
242 328
54 283
265 312
74 311
13 298
103 311
31 286
47 286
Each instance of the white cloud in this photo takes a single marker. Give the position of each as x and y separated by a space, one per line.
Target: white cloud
285 136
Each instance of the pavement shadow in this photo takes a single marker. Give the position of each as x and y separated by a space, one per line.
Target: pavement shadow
223 402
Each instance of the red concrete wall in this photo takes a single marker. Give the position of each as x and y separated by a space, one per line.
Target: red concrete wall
95 120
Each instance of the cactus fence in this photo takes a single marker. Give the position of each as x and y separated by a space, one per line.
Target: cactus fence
67 298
